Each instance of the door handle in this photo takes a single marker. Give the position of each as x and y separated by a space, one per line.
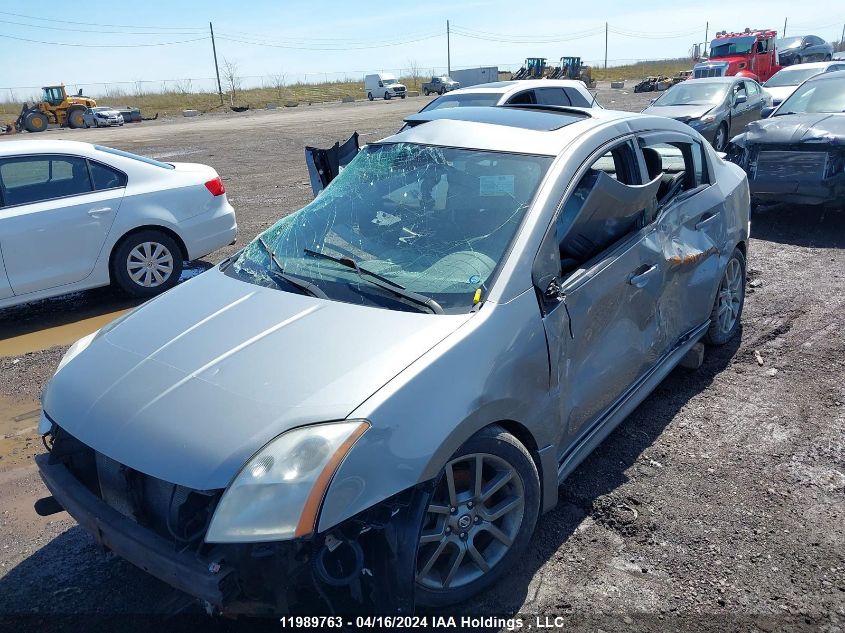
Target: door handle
95 213
641 279
704 220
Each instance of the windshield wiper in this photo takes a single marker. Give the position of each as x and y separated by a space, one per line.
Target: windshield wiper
382 282
301 284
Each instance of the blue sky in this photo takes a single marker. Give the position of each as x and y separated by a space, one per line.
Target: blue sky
265 37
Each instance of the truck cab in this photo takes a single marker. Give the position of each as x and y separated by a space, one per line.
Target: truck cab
383 85
750 53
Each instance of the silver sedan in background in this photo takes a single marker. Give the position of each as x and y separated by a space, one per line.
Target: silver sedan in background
102 116
373 402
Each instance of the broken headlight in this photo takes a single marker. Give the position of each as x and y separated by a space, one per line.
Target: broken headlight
278 493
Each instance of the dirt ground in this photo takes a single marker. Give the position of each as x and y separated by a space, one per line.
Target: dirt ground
718 505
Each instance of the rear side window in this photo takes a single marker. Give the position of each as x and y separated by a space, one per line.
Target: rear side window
523 98
105 177
31 179
143 159
553 96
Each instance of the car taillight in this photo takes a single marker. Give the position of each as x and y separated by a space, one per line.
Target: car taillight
216 186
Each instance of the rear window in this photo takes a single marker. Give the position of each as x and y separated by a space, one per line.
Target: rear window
143 159
478 99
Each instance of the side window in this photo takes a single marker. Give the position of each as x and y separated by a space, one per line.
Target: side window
679 165
34 178
105 177
752 88
577 99
523 98
603 208
553 96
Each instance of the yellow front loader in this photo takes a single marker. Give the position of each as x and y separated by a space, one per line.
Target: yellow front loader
55 107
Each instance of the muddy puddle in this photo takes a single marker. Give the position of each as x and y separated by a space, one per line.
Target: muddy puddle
19 439
62 320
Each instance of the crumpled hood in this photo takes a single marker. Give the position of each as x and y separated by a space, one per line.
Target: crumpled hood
193 383
798 128
680 112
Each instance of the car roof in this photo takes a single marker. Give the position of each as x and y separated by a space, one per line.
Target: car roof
521 117
714 80
12 148
524 130
821 65
504 87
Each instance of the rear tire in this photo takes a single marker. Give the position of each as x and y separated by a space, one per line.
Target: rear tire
370 96
726 314
482 548
146 263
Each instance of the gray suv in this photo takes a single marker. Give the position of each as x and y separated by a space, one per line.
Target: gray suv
372 403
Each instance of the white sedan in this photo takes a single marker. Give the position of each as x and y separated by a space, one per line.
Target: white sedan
75 216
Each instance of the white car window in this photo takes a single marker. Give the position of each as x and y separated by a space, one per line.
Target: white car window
34 178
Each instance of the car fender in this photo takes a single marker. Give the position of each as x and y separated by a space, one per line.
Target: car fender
494 368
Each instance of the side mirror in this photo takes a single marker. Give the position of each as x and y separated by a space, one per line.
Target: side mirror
740 99
767 112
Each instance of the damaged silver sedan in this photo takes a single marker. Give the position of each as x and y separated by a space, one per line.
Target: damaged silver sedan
370 405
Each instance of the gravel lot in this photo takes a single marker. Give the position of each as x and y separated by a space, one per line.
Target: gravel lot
718 505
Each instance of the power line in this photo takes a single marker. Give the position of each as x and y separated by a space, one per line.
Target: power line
305 40
122 26
24 39
98 31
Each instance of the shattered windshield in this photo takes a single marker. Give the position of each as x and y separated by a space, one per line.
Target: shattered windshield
818 96
731 46
478 99
434 222
693 93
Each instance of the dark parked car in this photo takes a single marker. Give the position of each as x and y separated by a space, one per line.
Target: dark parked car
716 107
803 48
798 154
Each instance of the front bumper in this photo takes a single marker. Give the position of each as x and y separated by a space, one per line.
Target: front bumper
138 545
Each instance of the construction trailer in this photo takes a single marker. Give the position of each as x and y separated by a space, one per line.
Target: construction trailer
474 76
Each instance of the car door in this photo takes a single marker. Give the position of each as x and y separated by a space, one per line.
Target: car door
599 282
57 212
5 286
755 100
740 108
690 228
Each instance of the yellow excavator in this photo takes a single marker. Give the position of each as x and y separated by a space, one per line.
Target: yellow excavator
55 107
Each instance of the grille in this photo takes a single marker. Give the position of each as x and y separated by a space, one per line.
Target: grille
791 165
707 72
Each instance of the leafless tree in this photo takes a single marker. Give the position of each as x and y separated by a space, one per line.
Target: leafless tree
278 81
184 86
232 78
414 72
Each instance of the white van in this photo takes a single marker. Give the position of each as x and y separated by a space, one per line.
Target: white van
383 85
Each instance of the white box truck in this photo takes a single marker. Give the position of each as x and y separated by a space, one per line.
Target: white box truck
383 85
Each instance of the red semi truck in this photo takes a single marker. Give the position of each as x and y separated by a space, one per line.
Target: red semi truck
750 53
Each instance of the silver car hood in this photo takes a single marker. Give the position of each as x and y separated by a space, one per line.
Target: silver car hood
193 383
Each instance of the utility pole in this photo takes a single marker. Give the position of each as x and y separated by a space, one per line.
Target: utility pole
784 27
605 45
448 52
706 37
842 39
216 68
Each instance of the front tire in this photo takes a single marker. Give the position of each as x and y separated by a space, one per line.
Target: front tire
720 140
727 309
76 118
797 60
146 263
480 518
387 96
